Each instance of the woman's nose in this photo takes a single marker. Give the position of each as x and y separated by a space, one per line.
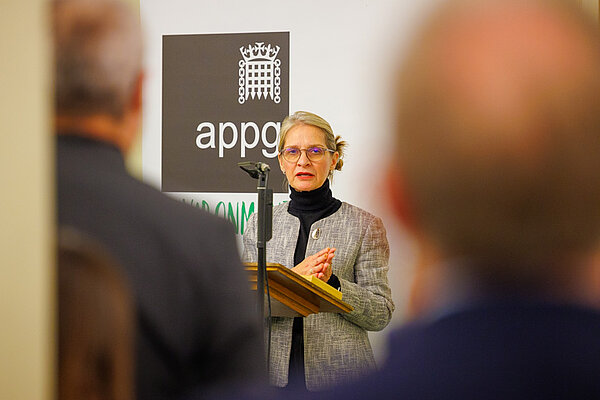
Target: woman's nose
303 159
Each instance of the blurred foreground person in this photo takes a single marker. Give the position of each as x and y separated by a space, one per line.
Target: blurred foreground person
197 326
498 175
95 323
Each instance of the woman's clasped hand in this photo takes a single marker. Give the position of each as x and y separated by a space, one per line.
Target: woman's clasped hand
318 264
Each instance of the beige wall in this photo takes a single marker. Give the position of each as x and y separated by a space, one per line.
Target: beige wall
26 271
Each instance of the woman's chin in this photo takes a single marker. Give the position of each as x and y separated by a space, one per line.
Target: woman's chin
305 186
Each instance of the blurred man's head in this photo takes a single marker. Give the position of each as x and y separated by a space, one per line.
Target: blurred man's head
98 60
96 322
498 136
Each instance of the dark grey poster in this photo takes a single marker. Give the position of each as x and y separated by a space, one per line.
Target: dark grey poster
223 99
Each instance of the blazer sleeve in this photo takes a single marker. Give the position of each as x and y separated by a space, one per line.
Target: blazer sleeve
370 294
250 253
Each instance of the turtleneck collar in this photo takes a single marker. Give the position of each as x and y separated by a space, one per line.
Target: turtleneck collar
314 200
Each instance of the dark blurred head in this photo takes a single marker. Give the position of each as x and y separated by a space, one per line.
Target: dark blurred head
95 340
498 135
98 56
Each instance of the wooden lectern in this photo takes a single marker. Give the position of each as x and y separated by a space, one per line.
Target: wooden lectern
293 295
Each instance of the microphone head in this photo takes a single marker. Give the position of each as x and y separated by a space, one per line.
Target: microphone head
264 167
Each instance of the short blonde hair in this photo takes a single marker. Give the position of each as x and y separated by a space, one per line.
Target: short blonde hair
332 141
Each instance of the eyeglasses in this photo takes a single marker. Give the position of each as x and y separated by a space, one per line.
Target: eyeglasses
316 153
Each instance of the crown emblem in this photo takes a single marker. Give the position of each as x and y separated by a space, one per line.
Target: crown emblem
259 73
259 52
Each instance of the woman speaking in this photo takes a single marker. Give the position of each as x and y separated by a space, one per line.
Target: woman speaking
343 245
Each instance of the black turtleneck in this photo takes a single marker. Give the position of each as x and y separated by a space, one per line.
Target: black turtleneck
309 207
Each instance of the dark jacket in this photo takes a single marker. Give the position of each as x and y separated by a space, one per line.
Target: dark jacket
499 350
196 322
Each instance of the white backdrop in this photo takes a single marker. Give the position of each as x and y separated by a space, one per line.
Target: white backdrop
341 53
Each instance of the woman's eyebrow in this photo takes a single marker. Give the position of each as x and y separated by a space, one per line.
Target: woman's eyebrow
308 147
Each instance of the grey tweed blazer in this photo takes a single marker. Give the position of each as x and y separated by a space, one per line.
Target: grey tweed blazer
336 346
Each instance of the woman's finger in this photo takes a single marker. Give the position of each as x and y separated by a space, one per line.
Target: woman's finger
320 253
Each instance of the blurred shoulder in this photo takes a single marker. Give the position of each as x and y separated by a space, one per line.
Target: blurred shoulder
170 212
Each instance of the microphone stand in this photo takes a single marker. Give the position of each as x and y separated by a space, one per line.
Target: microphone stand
260 171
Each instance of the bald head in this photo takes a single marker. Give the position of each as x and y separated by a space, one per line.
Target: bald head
98 56
499 131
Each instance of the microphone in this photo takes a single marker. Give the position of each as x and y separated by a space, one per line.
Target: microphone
254 168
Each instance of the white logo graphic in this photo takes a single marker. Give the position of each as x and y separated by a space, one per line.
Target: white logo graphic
260 73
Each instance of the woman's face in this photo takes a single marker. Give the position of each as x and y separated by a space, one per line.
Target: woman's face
304 174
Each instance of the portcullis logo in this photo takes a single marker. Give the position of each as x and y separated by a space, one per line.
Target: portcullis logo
260 73
224 97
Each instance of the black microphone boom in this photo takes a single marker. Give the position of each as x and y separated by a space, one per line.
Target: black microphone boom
254 168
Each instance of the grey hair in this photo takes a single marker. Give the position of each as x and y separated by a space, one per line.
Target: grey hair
97 54
332 141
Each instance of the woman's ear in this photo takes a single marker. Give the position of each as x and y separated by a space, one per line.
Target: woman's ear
334 160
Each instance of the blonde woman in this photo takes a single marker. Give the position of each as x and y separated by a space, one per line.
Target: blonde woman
343 245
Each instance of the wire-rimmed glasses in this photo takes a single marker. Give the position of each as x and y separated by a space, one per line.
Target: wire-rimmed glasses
314 153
